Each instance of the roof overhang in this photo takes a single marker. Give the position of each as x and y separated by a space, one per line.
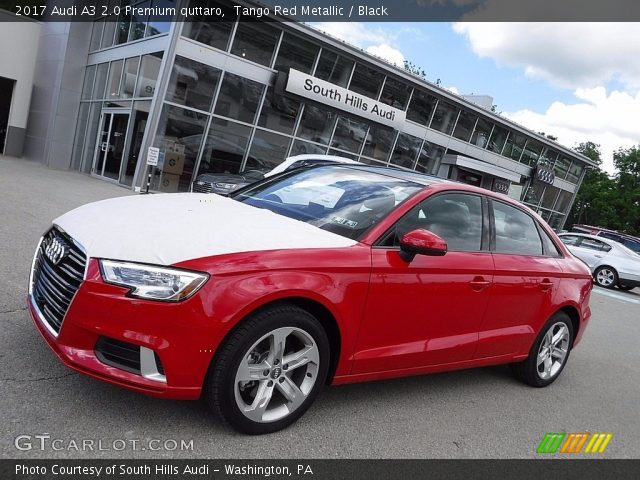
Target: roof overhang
482 167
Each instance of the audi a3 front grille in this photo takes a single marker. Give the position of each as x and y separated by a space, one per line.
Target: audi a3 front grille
57 272
202 187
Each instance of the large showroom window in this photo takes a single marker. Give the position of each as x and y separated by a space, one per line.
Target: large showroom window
157 26
349 134
119 29
366 81
180 130
514 146
575 170
481 133
549 196
421 107
296 53
203 30
548 157
445 117
267 150
129 77
406 150
300 147
192 84
225 147
278 112
115 74
255 41
395 93
334 68
561 167
498 139
531 153
429 158
239 98
149 70
316 124
378 142
464 126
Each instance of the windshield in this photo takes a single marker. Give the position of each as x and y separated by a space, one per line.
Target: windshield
341 200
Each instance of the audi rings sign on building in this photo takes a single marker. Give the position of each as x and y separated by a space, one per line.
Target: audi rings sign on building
545 175
55 250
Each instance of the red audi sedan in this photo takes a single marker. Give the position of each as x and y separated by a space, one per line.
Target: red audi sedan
330 274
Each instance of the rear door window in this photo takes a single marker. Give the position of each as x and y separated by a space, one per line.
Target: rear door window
515 231
593 244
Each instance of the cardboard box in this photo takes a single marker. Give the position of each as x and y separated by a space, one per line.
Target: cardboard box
173 163
169 183
178 148
172 144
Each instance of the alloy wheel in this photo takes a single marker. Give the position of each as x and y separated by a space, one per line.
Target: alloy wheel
553 351
605 277
276 374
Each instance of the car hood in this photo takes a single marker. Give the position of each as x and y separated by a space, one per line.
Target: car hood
166 229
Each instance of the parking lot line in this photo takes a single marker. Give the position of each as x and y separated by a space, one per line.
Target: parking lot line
618 296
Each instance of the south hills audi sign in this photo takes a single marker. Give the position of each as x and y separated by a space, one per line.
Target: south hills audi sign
332 95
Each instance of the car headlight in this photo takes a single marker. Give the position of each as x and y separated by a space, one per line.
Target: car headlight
153 283
225 186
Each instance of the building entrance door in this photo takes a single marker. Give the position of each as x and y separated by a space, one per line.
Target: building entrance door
6 94
110 147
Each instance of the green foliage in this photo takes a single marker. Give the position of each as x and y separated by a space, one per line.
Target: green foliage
605 201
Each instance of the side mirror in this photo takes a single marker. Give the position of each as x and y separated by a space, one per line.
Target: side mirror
421 242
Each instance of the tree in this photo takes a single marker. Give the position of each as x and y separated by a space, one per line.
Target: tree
627 163
592 205
412 68
605 201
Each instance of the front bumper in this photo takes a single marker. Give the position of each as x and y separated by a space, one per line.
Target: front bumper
180 334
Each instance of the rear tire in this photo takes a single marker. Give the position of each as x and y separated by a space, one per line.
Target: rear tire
549 353
269 371
606 277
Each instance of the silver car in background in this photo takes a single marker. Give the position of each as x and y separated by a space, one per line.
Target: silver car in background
611 263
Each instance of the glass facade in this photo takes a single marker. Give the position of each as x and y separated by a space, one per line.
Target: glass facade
119 29
217 119
108 87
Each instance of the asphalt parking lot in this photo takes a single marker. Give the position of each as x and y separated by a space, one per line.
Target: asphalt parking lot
482 413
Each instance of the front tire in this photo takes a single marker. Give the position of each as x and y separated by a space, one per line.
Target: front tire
549 353
606 277
269 371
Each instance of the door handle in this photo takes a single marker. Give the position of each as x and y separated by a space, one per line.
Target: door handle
546 285
478 284
598 256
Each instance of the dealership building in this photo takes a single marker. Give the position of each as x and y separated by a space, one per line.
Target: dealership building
237 95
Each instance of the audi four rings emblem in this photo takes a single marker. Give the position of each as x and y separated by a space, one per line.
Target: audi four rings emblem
55 250
545 176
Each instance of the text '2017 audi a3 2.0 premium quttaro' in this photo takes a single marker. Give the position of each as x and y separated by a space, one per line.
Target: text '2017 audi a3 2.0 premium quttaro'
330 274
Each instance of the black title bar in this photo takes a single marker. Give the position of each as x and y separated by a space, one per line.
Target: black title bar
332 11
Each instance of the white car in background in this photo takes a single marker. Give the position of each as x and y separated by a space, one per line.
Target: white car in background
611 263
225 183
